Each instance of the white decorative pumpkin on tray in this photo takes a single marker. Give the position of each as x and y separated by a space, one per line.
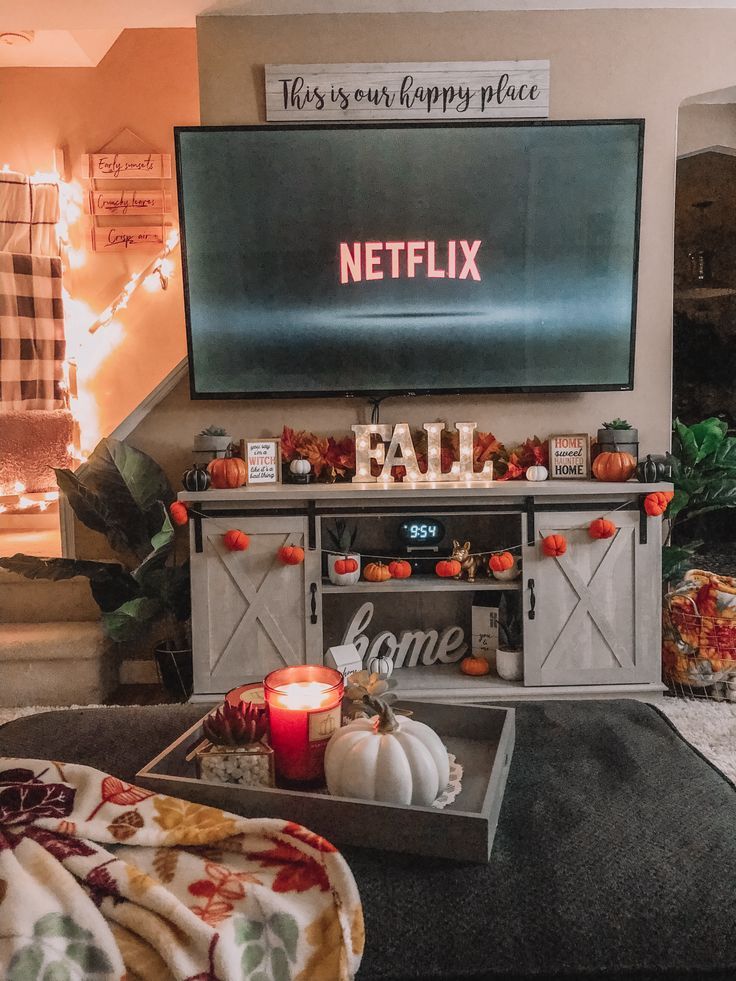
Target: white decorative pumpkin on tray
388 758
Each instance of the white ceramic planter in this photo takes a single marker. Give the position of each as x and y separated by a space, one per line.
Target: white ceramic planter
506 575
510 664
345 578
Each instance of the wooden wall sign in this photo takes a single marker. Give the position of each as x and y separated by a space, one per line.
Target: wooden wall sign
128 238
263 461
127 201
126 166
569 456
411 648
454 90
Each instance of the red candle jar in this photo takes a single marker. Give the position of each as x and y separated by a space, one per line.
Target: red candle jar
304 709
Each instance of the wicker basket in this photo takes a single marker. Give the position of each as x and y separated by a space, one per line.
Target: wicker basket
698 652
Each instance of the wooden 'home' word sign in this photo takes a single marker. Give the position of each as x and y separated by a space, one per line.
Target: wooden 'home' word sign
128 238
411 648
401 453
126 166
128 201
569 456
415 90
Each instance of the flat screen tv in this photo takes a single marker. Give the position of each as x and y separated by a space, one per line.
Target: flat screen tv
385 259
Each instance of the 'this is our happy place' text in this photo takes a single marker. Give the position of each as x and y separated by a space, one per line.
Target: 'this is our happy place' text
395 260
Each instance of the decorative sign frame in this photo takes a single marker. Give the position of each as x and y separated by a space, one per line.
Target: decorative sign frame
569 456
128 238
127 201
112 166
413 90
263 460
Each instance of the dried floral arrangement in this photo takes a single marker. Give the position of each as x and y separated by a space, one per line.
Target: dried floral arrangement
334 459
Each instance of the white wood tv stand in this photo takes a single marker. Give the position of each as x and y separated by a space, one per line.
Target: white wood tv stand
591 618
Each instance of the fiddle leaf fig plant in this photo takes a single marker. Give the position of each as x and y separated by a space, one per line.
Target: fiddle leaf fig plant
703 461
124 494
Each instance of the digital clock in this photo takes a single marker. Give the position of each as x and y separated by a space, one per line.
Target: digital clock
418 532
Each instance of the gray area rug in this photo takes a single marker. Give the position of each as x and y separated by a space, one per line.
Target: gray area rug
615 856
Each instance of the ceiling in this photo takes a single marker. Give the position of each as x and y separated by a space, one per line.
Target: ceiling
79 33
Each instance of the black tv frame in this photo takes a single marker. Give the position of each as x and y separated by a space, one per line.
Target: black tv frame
375 393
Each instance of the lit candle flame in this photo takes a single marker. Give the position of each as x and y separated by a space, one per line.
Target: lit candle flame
303 694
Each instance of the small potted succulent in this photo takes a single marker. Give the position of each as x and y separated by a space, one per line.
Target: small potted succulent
343 564
618 436
510 650
213 439
235 751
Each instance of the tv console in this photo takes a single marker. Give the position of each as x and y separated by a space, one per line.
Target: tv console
591 617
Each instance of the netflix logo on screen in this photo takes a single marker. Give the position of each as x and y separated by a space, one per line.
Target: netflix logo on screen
367 261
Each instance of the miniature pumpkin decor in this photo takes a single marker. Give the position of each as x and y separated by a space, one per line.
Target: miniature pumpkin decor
376 572
380 664
236 541
299 467
343 567
228 471
196 478
475 666
537 473
614 466
501 561
389 758
448 568
291 554
601 528
179 513
656 503
554 545
400 569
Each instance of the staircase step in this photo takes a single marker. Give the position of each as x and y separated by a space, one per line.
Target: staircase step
56 663
39 601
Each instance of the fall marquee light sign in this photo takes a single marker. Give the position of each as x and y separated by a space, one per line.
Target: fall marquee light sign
401 453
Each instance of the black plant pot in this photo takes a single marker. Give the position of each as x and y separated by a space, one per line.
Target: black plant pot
175 671
619 441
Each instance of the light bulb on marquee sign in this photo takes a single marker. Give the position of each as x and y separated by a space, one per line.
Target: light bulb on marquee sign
401 453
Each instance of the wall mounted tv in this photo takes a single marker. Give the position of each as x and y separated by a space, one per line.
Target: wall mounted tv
380 259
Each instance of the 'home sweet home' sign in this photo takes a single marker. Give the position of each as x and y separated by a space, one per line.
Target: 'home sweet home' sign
415 90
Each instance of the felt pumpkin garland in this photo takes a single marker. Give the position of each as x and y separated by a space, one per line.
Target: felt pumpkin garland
235 541
291 554
602 528
501 562
554 545
656 502
448 568
179 513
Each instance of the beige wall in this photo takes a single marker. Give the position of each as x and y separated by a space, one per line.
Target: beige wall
603 64
702 126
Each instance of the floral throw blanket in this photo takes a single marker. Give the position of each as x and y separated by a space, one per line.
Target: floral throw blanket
103 880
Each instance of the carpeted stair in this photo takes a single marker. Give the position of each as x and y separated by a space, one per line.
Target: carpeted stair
52 648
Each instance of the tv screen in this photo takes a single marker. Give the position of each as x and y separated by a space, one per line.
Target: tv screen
393 258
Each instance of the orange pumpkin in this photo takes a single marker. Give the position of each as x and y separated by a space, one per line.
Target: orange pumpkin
474 665
554 545
656 503
400 569
447 568
228 471
601 528
376 572
236 541
614 466
345 566
179 513
501 561
291 554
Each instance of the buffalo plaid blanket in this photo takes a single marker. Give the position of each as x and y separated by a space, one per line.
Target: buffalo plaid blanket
32 346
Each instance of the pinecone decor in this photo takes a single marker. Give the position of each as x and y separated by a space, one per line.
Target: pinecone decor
236 752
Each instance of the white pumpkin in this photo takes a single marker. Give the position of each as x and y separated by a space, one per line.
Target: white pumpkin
389 758
537 473
300 467
380 664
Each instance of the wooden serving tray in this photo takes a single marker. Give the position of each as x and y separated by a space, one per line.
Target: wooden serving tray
481 737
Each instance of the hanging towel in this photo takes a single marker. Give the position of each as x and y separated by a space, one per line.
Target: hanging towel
32 346
29 211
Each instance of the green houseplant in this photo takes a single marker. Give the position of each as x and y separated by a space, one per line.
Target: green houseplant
703 461
124 494
618 436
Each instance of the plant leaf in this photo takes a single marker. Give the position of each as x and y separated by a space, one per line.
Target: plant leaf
166 535
676 560
678 502
110 583
26 963
103 511
246 930
286 929
143 478
93 960
60 925
279 965
724 457
252 956
130 619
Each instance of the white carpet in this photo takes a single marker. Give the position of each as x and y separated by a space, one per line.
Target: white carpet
709 726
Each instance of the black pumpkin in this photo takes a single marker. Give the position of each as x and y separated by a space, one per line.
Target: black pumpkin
651 470
196 478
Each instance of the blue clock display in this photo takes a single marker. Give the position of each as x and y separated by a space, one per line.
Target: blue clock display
421 531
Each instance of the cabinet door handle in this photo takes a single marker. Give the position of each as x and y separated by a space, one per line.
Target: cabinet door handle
313 602
532 599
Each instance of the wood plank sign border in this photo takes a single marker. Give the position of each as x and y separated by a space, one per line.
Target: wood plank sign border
127 201
453 90
128 238
126 166
263 460
569 456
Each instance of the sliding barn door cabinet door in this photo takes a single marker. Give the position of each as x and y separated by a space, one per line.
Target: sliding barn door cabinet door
251 613
591 615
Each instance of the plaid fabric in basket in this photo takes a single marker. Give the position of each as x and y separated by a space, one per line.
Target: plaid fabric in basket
32 346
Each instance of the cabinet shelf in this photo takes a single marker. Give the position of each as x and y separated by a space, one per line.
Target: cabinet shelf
422 584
